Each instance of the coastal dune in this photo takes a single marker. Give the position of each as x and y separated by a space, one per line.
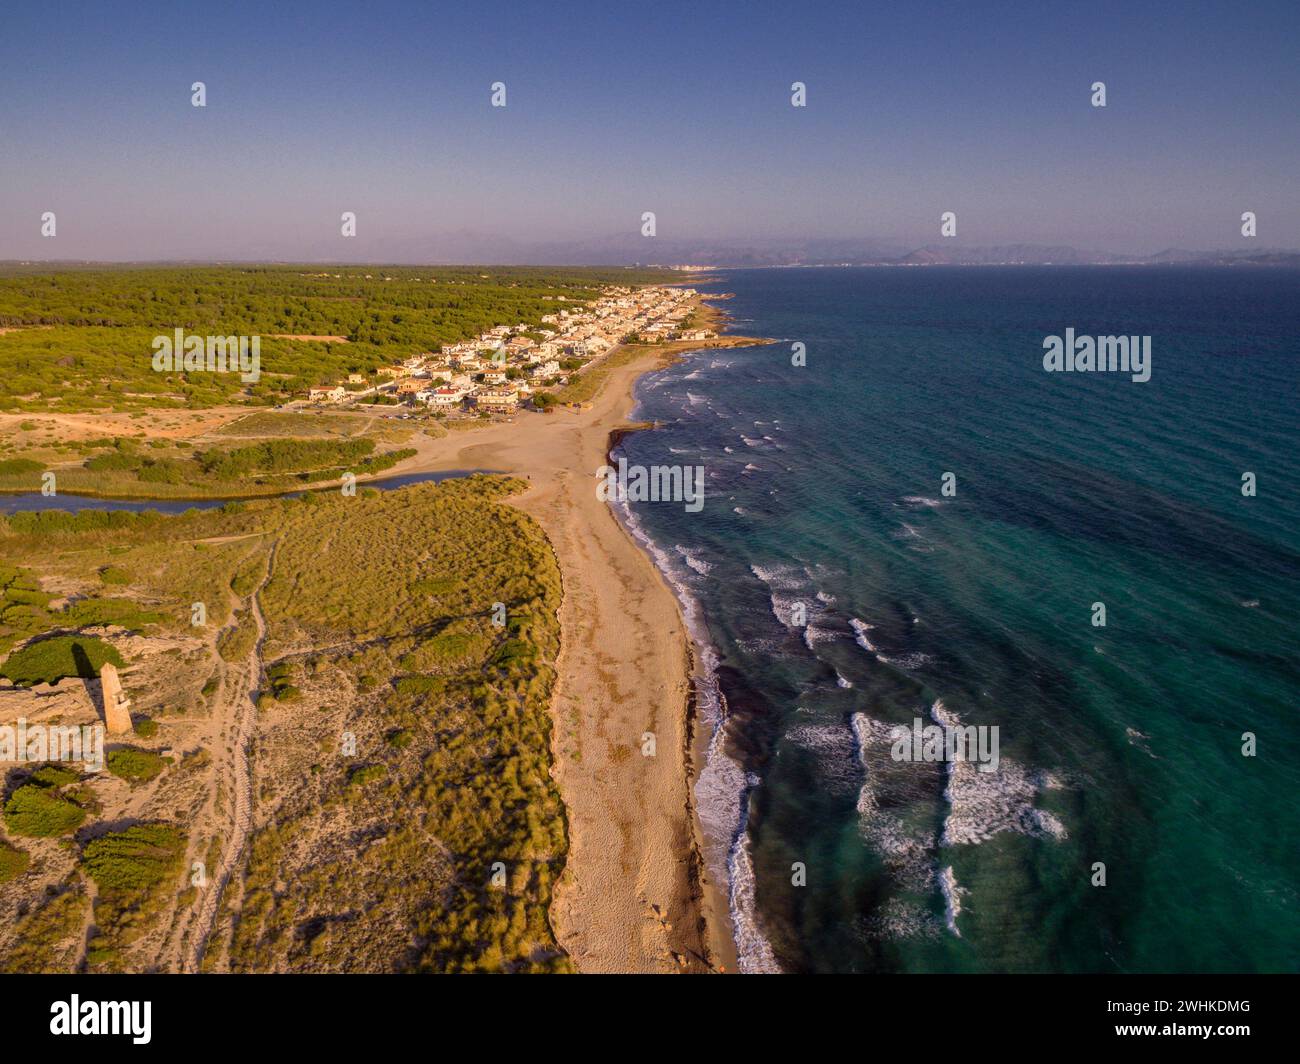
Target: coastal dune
632 898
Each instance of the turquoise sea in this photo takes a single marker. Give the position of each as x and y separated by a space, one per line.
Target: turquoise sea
836 591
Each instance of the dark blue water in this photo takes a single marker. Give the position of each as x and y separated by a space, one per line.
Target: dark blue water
838 592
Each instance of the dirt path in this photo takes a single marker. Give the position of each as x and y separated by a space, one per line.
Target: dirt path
237 713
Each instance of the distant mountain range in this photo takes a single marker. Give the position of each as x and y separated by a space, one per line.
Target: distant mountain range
1041 255
627 250
828 253
473 248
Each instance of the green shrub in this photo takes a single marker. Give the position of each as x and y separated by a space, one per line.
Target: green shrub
135 766
17 466
363 774
41 813
134 859
53 775
50 660
400 739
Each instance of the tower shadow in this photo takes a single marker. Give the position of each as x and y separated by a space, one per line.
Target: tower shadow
88 675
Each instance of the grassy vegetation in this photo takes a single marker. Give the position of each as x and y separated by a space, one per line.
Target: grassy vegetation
173 469
48 940
292 424
283 456
84 337
13 861
25 612
462 729
237 642
583 387
132 870
379 621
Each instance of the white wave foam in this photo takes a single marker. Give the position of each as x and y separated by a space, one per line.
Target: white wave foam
697 564
754 954
860 630
913 660
982 804
908 853
722 787
952 894
778 575
814 636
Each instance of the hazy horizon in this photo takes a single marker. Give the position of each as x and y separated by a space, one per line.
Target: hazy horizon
685 112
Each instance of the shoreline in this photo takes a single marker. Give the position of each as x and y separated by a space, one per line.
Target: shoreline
636 894
712 898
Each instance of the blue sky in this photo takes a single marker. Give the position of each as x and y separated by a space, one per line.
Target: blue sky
684 109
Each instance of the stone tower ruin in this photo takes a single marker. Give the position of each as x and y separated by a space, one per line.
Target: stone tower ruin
116 705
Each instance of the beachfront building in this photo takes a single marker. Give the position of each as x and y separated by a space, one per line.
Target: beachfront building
335 394
503 399
441 398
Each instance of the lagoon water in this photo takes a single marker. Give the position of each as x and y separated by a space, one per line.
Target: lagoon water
34 501
836 591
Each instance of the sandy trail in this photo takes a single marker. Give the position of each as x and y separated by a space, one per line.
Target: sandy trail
237 711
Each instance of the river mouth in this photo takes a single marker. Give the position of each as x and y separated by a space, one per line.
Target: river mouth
35 502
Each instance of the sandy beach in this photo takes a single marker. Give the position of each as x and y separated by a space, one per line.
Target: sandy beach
634 896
